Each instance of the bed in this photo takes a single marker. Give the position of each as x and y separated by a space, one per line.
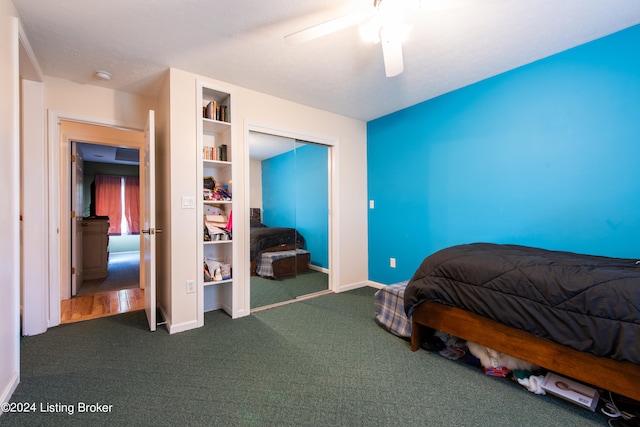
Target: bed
577 315
265 240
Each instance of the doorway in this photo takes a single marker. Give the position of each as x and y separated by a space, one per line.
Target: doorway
103 273
289 219
118 268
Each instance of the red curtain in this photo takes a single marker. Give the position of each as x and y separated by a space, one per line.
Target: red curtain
108 200
132 203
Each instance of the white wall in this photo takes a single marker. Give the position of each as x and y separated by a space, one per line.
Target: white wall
65 99
95 102
10 208
176 173
255 107
351 170
34 252
163 216
176 163
255 184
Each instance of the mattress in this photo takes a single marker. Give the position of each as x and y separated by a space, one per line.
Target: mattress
588 303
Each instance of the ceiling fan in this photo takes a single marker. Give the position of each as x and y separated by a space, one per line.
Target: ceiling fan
383 22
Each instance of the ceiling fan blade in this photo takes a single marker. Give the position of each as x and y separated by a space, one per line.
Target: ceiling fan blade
392 53
329 27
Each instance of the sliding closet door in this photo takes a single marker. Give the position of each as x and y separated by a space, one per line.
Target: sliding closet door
289 187
279 204
312 200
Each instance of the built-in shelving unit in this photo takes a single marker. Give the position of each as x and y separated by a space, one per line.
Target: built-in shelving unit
216 203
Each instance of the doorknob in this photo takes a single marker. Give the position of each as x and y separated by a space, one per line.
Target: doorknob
152 231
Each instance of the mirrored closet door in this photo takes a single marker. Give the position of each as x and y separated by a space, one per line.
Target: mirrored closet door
289 211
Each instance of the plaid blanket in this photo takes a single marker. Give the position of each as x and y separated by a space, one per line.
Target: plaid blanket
389 305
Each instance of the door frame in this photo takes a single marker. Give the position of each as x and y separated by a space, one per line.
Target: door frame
332 145
77 180
60 194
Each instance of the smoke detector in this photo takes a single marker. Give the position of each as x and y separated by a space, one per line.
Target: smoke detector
103 75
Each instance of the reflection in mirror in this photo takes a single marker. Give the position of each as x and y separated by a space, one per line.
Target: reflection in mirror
289 230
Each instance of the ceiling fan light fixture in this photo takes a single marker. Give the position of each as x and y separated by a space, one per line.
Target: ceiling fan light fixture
392 10
370 30
398 32
391 15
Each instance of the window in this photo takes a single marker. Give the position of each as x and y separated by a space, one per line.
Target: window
118 197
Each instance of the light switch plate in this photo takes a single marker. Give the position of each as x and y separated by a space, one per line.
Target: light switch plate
191 286
188 202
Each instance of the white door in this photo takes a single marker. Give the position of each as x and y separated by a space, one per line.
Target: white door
77 208
148 222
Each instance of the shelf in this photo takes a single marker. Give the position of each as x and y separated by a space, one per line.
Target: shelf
217 202
216 163
216 242
214 126
219 282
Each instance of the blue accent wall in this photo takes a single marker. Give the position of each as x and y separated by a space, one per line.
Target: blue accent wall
545 155
295 192
279 190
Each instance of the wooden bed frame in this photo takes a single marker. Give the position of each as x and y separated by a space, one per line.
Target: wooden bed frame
619 377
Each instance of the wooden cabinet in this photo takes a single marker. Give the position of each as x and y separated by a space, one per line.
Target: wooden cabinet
95 248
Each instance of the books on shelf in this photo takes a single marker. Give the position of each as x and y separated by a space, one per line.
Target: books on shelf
214 111
222 153
211 110
215 153
209 153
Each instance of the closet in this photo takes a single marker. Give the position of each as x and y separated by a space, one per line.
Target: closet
289 213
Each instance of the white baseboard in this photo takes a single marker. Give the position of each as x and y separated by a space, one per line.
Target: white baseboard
181 327
357 285
318 268
211 305
376 285
8 390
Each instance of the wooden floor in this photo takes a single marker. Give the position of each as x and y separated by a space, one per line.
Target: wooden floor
102 304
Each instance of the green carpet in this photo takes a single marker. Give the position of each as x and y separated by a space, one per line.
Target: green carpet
269 291
318 362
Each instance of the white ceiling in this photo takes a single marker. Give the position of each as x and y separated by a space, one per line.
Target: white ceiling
263 146
108 154
242 42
